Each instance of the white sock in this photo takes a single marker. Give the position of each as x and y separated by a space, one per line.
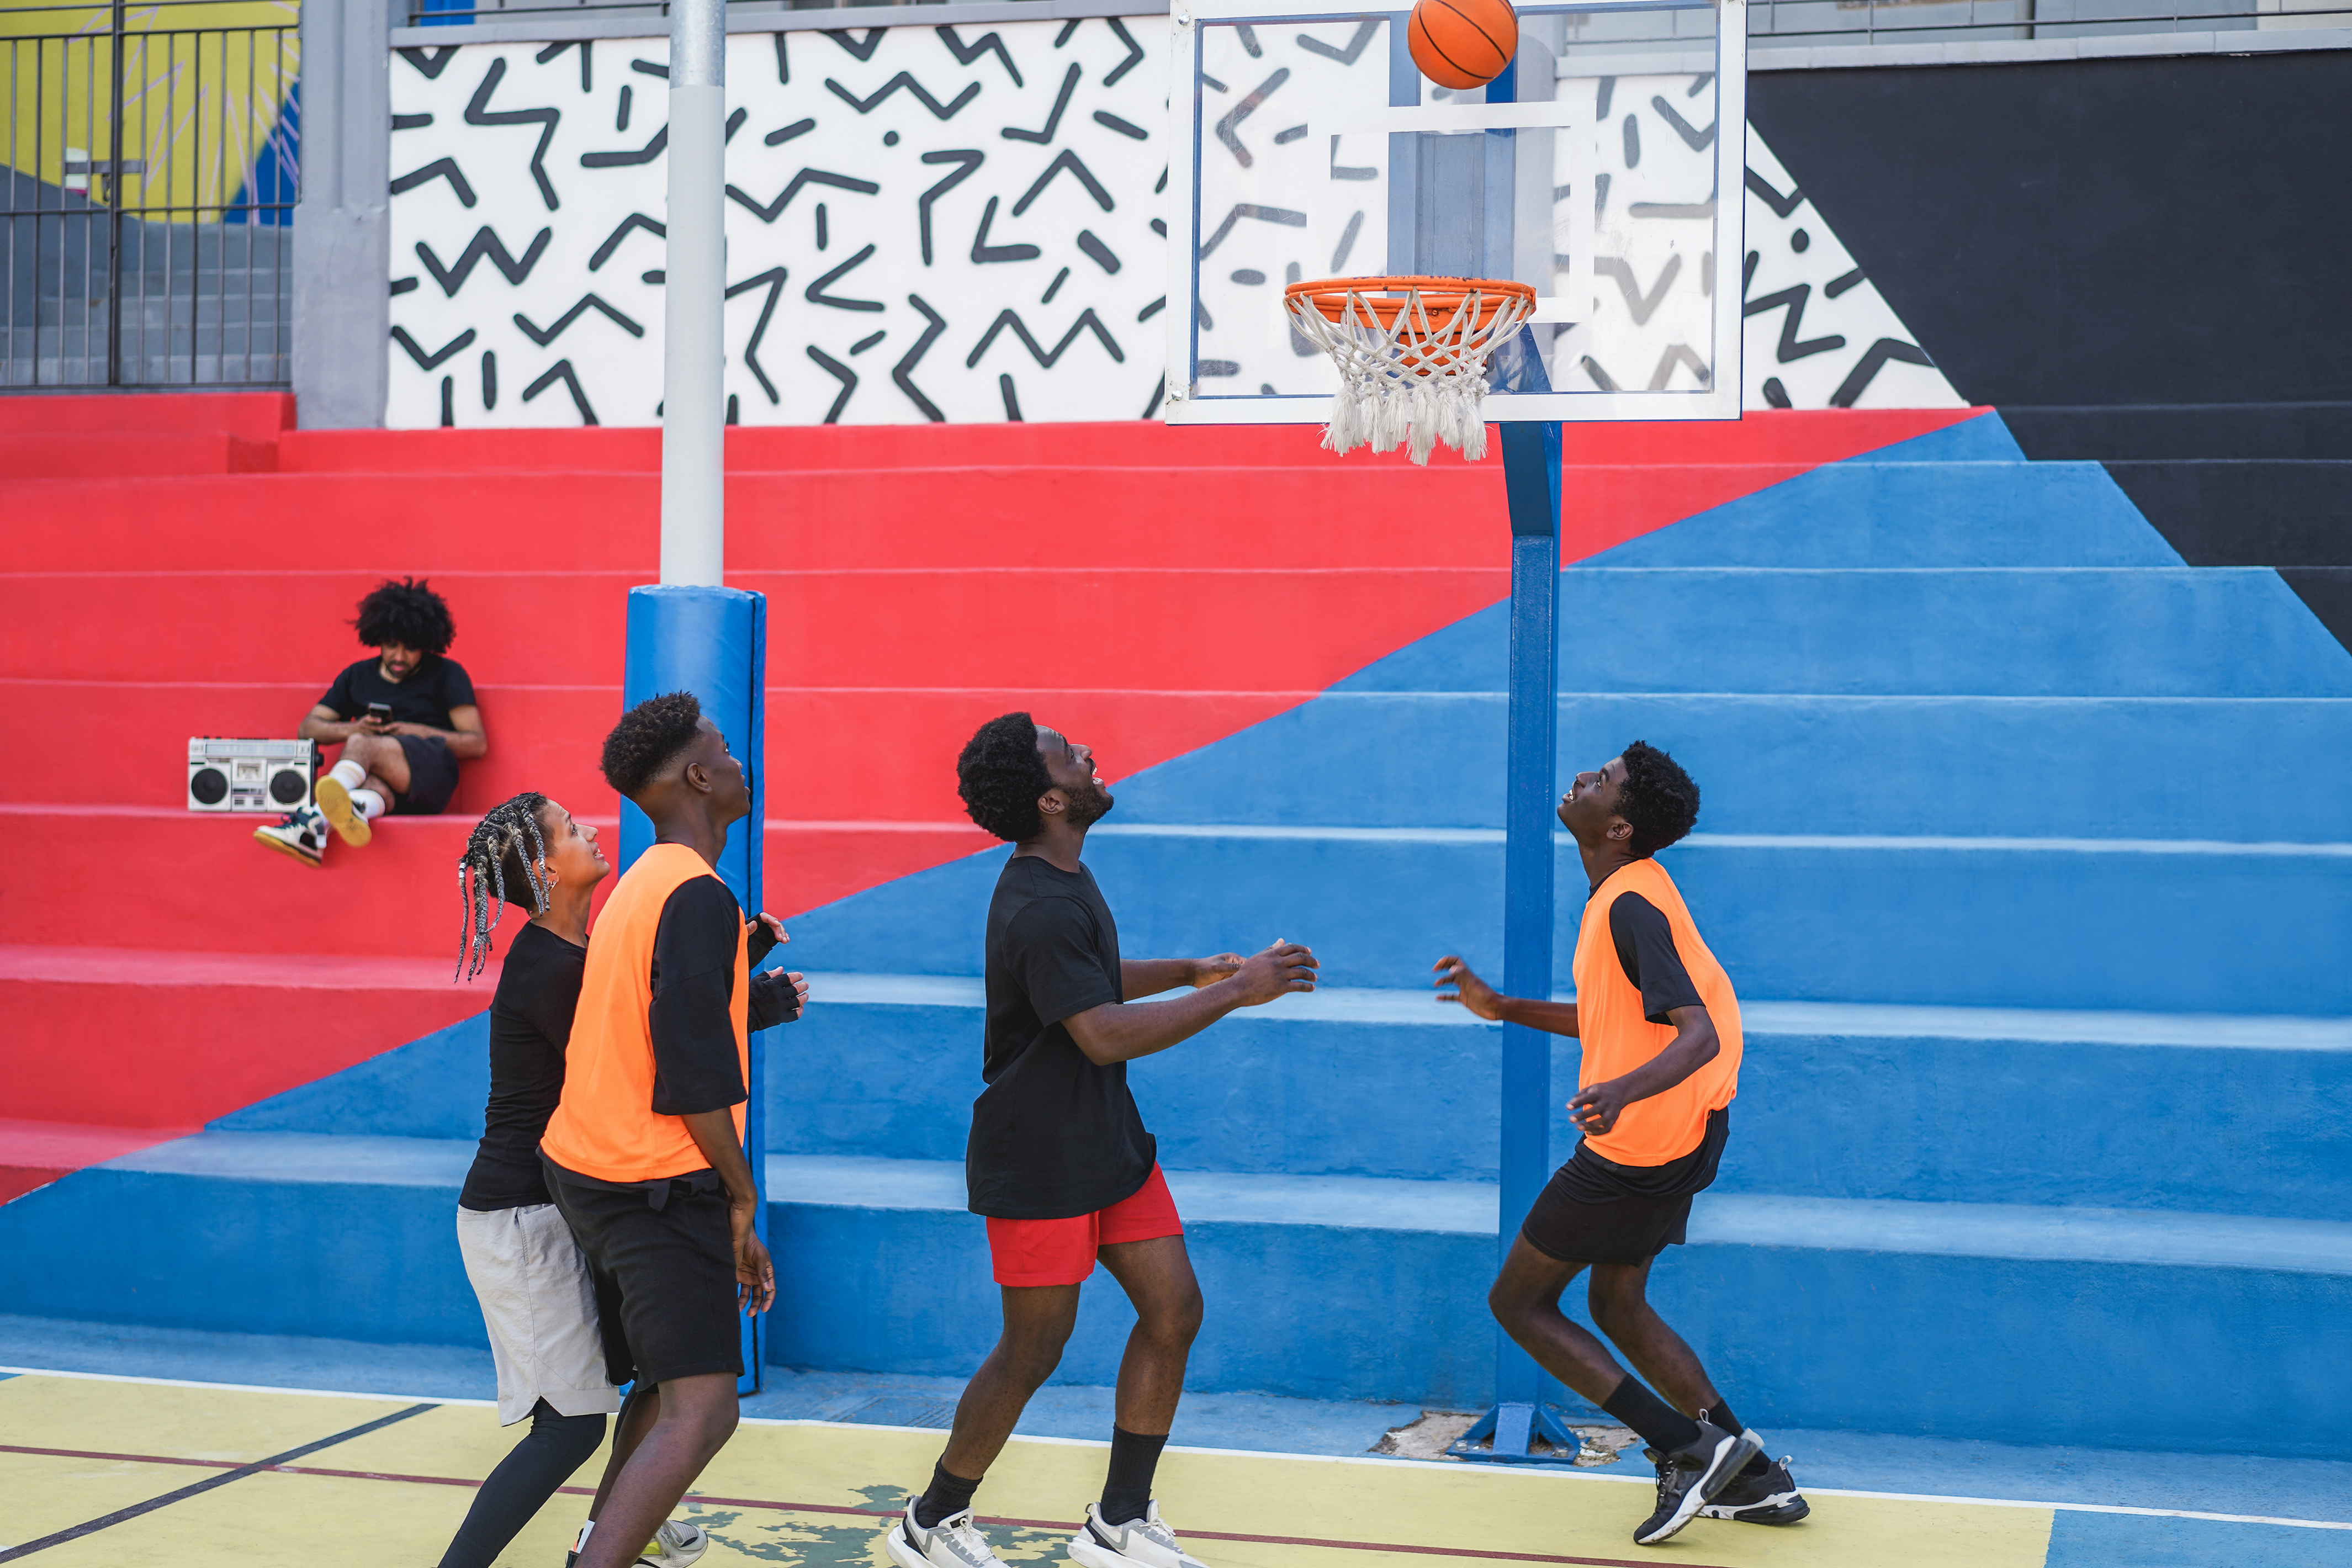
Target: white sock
350 774
367 802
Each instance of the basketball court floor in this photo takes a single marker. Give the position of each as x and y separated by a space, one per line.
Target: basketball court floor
124 1471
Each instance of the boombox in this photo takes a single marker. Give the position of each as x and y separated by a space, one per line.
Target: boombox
250 775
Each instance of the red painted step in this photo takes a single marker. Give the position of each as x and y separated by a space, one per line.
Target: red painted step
256 416
132 1038
54 456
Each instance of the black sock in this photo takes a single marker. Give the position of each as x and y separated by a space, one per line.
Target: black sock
947 1494
1126 1489
555 1446
1659 1424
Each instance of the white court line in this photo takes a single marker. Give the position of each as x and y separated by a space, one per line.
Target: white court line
1530 1472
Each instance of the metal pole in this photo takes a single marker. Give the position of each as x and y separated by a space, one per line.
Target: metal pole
114 166
693 532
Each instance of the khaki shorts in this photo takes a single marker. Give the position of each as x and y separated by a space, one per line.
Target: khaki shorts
540 1308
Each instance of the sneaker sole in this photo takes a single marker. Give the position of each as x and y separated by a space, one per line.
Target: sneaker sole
902 1551
1088 1552
1787 1513
1719 1475
334 804
286 850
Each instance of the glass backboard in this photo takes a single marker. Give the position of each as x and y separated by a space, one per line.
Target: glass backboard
1307 145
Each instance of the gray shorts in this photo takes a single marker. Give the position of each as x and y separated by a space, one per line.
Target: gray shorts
540 1308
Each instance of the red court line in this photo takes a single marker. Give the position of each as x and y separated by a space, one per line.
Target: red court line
706 1498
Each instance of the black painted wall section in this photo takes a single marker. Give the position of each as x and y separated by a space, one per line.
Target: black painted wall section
2144 262
2118 231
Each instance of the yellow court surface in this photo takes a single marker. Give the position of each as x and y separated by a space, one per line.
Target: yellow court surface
116 1471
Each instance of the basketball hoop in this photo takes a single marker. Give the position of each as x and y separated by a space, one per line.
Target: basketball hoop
1412 354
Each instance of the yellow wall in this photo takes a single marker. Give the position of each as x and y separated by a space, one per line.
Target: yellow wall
198 104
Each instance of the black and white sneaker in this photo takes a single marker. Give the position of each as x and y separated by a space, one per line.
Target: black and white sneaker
1146 1542
1768 1496
953 1542
301 834
1690 1477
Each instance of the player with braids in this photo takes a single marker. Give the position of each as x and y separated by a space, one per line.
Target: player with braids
554 1335
503 851
1662 1043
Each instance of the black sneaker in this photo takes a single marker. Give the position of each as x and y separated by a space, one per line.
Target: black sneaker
1690 1477
1766 1496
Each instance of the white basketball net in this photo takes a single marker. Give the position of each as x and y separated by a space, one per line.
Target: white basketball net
1417 382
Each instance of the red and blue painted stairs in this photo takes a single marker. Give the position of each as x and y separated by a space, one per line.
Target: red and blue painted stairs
2024 842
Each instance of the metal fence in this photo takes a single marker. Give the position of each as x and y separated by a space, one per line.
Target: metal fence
153 165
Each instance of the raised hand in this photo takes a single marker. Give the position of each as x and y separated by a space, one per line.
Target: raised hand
1469 989
1282 968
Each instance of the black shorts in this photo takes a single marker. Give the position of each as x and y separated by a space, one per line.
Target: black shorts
1623 1230
665 1276
432 776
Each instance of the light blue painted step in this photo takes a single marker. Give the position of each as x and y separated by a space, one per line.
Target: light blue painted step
1874 764
2021 632
2153 925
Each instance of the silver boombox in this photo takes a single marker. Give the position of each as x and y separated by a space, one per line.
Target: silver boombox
250 775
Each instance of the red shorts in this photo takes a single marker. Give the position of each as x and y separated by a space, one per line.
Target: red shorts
1062 1251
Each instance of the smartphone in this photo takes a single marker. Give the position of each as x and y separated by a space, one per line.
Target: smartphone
380 711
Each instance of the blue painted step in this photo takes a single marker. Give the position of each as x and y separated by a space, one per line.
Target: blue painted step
2137 925
1335 1286
1947 1104
1787 763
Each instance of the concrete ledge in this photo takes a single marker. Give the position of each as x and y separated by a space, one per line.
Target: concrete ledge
840 19
1765 55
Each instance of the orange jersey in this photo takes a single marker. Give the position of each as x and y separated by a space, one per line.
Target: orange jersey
605 1125
1617 1037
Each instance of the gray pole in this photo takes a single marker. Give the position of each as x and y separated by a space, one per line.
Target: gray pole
341 240
694 524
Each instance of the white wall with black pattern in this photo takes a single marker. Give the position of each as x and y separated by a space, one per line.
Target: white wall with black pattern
924 223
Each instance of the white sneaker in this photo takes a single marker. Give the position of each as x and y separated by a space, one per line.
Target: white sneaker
301 834
335 805
675 1544
1146 1542
953 1542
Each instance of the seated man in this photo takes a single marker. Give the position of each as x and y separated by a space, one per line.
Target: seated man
406 718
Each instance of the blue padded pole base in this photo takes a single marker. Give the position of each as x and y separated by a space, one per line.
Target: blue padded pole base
713 642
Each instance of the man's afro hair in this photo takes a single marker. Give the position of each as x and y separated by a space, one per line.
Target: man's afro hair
408 612
1001 775
1659 799
648 739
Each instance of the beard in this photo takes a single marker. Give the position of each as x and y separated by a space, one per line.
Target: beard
1089 806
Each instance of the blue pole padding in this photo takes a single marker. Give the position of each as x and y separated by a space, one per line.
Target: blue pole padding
713 642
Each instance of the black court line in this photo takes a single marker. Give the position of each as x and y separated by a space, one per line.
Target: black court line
122 1514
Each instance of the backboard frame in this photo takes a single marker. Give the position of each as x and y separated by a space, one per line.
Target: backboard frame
1184 404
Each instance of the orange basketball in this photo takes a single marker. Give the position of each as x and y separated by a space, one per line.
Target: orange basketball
1463 43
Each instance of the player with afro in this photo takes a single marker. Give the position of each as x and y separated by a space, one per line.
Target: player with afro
1058 1159
643 1154
1662 1042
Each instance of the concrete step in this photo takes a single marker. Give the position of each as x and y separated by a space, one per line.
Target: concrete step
1875 1312
108 456
1932 1104
2013 922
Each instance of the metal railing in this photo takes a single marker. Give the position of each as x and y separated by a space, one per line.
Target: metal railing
152 163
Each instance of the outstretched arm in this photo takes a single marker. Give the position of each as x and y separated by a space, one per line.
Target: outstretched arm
1121 1032
1150 976
1551 1017
1597 1107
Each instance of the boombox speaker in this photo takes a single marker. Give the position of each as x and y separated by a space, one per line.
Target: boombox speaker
250 775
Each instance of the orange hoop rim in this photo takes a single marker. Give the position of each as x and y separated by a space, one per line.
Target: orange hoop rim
1440 296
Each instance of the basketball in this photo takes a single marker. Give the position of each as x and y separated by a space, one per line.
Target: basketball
1463 43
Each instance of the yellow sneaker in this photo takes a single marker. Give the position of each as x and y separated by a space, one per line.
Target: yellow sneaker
335 805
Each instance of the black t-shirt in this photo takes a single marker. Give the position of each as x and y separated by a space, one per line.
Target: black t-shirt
1645 952
531 1023
695 1064
435 686
1053 1135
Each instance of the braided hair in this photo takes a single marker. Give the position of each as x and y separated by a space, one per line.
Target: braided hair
503 852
